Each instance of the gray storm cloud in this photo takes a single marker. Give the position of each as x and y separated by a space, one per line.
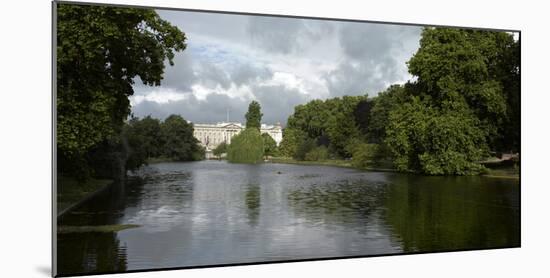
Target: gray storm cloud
280 62
216 106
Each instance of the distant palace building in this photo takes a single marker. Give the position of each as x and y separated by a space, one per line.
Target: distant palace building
211 135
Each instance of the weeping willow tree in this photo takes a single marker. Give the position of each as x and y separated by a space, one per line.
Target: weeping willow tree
246 147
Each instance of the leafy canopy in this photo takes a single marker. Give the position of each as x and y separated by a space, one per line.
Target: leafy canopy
254 115
332 123
477 69
220 149
100 51
179 141
270 146
246 147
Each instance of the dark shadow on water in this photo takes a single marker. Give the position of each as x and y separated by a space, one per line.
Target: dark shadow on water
44 270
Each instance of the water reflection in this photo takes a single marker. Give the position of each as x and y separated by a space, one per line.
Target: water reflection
448 213
103 251
212 212
352 204
252 199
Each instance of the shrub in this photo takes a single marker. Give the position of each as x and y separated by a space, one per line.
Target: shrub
270 146
317 154
303 148
368 155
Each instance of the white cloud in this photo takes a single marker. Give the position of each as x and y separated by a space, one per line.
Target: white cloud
242 92
159 95
232 59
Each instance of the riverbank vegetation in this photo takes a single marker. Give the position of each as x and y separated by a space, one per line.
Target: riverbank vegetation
101 52
151 139
461 108
95 229
220 150
248 145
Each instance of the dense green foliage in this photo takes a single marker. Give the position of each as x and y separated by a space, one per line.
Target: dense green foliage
382 104
462 105
150 138
291 139
369 155
179 142
144 140
220 149
101 50
246 147
424 139
303 148
270 146
474 70
330 123
254 115
318 153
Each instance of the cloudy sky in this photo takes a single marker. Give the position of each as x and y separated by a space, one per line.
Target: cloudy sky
231 60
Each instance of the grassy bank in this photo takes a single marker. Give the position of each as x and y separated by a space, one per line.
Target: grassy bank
503 173
493 171
508 169
159 160
328 162
95 229
70 191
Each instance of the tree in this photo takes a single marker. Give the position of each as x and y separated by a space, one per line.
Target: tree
246 147
310 118
331 122
477 69
101 50
368 155
220 149
305 146
180 144
291 140
460 106
254 115
340 125
424 139
144 141
270 146
383 104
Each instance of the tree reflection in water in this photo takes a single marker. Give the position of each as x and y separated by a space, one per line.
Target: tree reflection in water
252 200
420 213
102 252
450 213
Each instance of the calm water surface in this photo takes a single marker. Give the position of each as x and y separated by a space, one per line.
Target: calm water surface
213 212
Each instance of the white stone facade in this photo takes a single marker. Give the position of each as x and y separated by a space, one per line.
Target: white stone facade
211 135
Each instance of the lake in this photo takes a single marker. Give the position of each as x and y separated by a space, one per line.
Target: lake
214 212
